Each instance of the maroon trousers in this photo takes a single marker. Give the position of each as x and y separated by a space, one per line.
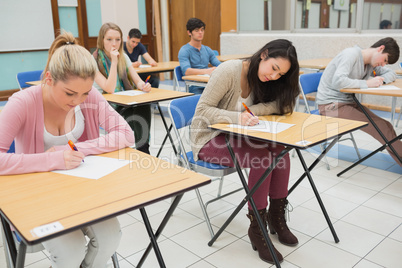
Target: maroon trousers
353 112
254 155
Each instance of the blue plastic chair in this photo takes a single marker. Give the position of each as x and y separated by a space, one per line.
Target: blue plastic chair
309 84
177 78
30 76
181 113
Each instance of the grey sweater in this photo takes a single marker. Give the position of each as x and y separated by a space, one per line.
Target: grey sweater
347 70
218 104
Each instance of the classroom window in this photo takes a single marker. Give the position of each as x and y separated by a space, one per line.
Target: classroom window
296 15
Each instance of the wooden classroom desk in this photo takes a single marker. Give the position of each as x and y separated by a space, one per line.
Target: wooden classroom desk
154 96
167 66
29 201
232 57
201 80
308 130
381 92
316 64
34 83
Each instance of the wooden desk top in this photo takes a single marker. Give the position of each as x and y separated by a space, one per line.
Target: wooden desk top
398 72
204 78
311 128
380 92
232 57
156 94
37 199
161 67
34 83
196 78
320 64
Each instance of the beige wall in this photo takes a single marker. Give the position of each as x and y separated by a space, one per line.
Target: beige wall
122 12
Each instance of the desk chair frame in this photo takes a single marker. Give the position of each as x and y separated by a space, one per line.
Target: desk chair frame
181 113
309 84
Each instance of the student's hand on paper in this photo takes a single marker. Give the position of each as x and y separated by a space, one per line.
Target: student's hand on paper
146 87
375 82
72 159
246 119
114 54
136 64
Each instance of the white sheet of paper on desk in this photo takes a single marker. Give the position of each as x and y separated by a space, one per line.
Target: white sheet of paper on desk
383 87
95 167
145 66
206 75
130 93
266 126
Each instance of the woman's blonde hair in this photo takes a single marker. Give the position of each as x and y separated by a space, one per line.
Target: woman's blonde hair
121 64
68 59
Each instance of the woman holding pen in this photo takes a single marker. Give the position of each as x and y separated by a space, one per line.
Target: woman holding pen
42 119
266 83
116 73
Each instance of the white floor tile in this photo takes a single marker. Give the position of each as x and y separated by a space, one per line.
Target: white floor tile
387 254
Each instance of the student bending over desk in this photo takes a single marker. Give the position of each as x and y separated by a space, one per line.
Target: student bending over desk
41 120
115 73
267 83
352 68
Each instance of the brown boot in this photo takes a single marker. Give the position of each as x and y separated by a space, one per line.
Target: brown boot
257 239
277 222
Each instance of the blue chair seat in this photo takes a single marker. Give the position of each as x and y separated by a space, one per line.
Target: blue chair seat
201 163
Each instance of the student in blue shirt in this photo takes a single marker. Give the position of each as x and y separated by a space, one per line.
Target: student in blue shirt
195 57
134 49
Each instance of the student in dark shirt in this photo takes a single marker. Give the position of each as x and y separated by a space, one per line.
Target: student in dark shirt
134 49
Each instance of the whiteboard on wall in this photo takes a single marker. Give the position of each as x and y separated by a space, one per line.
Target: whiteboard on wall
26 25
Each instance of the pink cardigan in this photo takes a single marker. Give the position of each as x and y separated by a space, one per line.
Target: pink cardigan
22 120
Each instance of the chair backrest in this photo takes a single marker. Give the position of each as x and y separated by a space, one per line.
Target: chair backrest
216 52
24 77
182 110
309 84
177 77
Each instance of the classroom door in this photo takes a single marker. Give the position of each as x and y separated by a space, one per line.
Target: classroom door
209 11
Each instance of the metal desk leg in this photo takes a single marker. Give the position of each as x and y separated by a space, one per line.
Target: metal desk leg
167 129
158 232
22 250
9 242
249 198
317 195
152 238
387 143
164 140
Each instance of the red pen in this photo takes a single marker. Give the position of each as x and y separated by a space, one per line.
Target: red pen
146 80
72 146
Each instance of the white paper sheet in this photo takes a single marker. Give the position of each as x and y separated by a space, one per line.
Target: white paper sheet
95 167
130 92
145 66
206 75
383 87
266 126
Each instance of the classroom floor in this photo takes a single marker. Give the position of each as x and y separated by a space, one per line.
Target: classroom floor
365 206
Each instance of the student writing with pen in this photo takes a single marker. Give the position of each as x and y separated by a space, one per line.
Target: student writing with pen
355 67
267 83
42 119
115 73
